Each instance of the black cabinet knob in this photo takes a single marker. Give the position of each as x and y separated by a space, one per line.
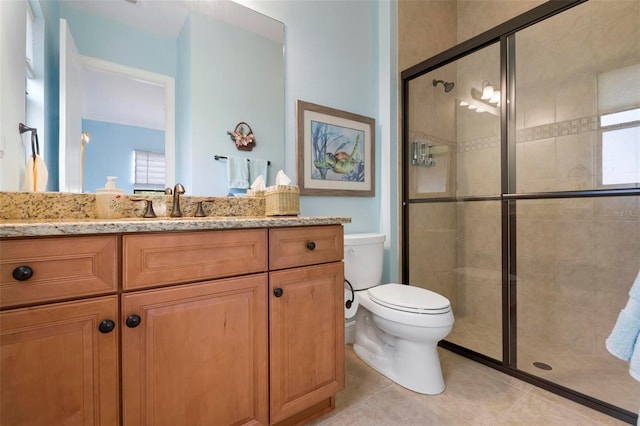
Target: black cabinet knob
133 321
311 245
106 326
277 292
22 273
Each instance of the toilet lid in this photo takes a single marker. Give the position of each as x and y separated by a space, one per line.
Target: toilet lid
409 299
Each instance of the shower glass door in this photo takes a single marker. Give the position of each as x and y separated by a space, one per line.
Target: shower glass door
577 118
454 187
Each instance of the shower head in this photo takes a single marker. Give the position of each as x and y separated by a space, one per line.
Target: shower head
448 86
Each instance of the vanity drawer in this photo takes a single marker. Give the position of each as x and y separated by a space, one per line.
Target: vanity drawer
57 268
309 245
151 260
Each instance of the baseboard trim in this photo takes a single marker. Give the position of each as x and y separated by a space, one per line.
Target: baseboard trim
350 331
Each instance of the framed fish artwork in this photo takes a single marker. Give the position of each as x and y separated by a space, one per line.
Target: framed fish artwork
336 152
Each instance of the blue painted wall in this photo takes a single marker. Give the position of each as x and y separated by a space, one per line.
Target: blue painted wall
184 146
233 85
343 54
331 56
110 144
52 89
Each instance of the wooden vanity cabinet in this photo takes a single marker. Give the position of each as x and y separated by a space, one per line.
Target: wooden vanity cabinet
252 349
214 327
59 360
195 353
306 321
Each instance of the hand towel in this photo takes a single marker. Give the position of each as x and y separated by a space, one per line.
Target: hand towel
237 173
634 301
634 293
634 365
257 167
41 174
35 174
35 171
622 340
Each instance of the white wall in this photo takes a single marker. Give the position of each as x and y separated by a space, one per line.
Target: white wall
12 87
343 54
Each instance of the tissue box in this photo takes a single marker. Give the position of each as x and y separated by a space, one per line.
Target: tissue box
282 200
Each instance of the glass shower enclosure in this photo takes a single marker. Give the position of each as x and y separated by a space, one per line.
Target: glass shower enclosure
521 163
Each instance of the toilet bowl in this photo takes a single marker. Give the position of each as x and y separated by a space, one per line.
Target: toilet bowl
398 326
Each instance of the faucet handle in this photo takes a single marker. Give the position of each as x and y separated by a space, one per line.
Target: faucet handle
200 210
149 213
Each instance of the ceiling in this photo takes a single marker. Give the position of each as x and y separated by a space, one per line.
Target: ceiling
160 17
116 98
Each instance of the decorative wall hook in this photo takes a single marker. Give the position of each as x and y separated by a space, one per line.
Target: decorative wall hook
243 137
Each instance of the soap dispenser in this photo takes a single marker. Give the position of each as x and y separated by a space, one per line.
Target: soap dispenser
109 200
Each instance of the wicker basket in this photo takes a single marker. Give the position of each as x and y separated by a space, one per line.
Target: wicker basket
282 200
256 193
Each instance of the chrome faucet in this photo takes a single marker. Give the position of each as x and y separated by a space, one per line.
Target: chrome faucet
177 190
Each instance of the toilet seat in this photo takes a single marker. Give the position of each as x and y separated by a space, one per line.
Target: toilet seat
410 299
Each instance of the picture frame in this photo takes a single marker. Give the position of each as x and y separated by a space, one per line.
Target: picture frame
336 152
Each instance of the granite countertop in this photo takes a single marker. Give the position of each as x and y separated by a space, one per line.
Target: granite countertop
25 214
38 227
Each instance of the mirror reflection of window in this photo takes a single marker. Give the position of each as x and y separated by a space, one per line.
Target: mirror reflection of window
149 171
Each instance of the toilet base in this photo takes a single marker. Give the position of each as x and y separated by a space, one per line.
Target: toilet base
413 365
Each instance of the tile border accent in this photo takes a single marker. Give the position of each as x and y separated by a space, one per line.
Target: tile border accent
417 136
560 128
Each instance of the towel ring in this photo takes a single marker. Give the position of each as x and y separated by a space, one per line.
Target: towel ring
35 144
243 137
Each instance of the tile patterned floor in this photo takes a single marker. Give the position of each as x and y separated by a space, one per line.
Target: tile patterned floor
596 372
475 395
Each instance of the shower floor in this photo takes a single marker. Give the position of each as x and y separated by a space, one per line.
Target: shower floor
605 378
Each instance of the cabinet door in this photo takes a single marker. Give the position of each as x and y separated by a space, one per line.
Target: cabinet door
57 367
306 325
198 355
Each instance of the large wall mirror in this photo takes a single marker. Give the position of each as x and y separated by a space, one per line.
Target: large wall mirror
110 80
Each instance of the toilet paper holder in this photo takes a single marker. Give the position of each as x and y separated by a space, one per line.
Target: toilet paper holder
348 303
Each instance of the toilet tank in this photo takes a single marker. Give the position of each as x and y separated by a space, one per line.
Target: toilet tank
363 254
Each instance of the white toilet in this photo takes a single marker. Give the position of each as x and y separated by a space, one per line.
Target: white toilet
398 326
